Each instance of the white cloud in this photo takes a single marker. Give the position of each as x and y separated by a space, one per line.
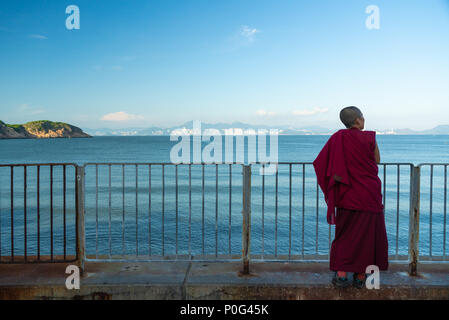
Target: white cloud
248 33
243 37
312 112
264 113
38 36
120 116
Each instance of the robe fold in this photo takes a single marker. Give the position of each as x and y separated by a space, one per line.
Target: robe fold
347 174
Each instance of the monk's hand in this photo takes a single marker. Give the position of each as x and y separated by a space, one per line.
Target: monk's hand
337 178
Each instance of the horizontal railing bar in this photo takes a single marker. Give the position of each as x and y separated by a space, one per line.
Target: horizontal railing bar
159 163
158 259
282 162
38 164
442 259
297 162
187 163
28 261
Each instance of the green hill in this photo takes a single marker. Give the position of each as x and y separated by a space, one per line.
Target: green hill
40 129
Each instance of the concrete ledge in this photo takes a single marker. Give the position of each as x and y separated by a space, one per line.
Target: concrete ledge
214 280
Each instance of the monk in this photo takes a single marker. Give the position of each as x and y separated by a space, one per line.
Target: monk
347 174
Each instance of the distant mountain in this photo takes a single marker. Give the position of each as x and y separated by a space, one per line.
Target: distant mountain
151 131
244 128
40 129
438 130
442 129
187 128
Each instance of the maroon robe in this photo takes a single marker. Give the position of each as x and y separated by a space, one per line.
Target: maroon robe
360 235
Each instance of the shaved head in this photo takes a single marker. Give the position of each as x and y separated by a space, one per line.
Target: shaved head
348 116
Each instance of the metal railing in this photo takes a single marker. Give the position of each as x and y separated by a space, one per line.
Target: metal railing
297 206
219 212
433 214
160 211
37 231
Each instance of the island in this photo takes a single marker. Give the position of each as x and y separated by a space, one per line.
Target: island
40 130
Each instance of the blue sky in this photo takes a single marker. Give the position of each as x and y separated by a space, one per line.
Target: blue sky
143 63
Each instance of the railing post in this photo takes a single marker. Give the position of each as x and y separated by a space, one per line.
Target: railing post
80 244
413 240
246 213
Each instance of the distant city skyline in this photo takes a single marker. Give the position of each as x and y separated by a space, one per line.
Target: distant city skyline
270 63
239 128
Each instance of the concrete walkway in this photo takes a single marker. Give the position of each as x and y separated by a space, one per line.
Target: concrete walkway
214 280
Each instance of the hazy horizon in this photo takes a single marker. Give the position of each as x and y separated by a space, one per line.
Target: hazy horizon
231 124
